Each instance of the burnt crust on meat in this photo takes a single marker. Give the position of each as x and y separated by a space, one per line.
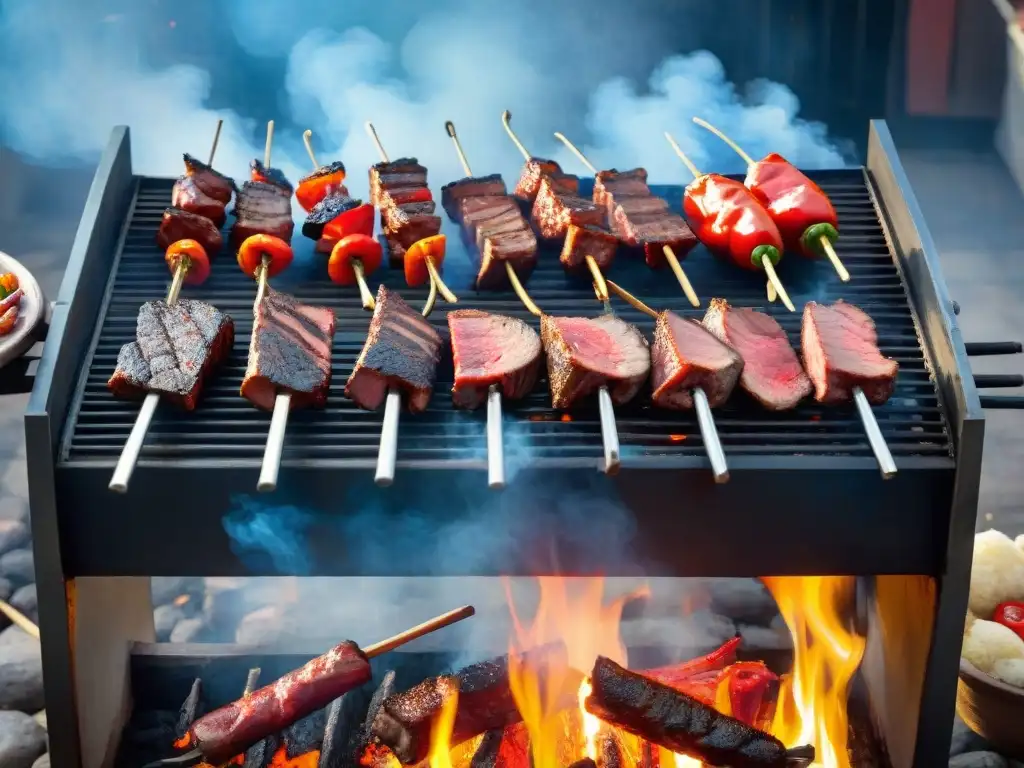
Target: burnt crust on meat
178 224
324 170
273 176
194 167
326 211
686 355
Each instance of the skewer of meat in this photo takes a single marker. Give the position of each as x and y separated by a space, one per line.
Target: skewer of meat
536 168
323 181
732 223
639 218
263 206
187 259
688 363
423 263
224 733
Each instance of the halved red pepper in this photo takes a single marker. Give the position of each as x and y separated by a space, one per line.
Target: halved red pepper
358 221
731 222
416 256
800 209
198 262
254 248
319 184
362 248
1011 615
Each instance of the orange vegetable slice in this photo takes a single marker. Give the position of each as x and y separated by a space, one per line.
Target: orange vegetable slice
416 272
199 262
254 248
8 320
362 247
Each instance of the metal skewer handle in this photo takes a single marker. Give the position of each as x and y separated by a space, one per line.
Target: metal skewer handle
275 444
874 433
388 451
609 432
709 432
495 444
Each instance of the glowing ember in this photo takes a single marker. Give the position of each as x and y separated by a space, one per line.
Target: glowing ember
682 761
677 438
305 760
812 704
181 600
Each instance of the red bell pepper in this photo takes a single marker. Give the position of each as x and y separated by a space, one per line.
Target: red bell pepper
416 256
800 209
198 262
1011 615
254 248
730 221
322 182
351 248
357 221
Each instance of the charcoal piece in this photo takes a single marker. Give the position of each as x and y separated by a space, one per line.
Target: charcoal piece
347 731
305 735
189 709
609 751
261 754
586 762
486 754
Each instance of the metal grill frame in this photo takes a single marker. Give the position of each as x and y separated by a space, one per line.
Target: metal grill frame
90 543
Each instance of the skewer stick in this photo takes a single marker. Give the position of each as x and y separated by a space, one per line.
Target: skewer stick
600 287
495 441
572 148
279 419
681 278
369 303
768 267
387 451
772 293
449 126
414 633
19 619
506 119
705 418
878 445
521 291
372 132
826 244
307 137
269 144
216 140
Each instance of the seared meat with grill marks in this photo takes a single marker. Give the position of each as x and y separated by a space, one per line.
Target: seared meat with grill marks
399 190
653 233
210 182
402 350
536 169
772 373
840 350
505 223
326 211
273 176
475 211
408 222
590 240
471 186
289 353
492 349
612 184
403 172
518 248
587 353
182 225
262 208
626 208
176 346
186 195
686 356
554 211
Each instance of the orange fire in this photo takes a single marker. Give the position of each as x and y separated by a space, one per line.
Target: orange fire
439 755
305 760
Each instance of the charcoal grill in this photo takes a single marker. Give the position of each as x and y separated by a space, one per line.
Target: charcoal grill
805 496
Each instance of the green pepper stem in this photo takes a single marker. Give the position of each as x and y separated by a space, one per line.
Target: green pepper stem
773 254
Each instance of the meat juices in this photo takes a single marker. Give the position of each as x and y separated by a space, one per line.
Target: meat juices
686 356
772 373
402 350
178 224
554 210
589 240
537 168
586 353
471 186
840 350
407 209
289 353
492 349
176 346
262 208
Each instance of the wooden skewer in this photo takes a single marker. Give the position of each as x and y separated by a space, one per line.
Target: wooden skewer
520 291
506 119
705 418
282 407
307 137
19 619
216 140
766 264
572 148
270 142
826 244
449 126
372 132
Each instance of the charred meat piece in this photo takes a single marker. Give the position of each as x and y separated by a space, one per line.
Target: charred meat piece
840 350
337 168
589 240
611 184
262 208
403 172
186 195
408 222
518 248
586 353
772 373
506 223
402 350
471 186
529 180
682 724
685 356
554 211
326 211
627 208
289 353
275 176
210 182
492 350
176 346
476 211
182 225
485 702
653 233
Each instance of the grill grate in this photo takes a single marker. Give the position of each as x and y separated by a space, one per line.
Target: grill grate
226 427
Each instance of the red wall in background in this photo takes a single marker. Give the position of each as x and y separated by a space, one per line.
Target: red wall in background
930 35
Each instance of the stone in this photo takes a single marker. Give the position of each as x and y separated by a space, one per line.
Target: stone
42 762
21 672
965 740
21 740
166 588
264 626
14 508
40 717
6 589
13 534
18 566
25 601
745 601
165 619
189 631
978 760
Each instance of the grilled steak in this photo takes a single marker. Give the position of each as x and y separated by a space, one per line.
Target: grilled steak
502 224
289 352
772 373
176 346
471 186
554 211
492 349
181 225
210 182
326 211
476 211
653 233
632 207
518 248
686 356
840 350
613 184
402 350
262 208
186 195
529 180
273 176
590 240
408 222
586 353
404 172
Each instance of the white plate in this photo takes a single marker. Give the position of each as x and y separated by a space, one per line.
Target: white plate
31 312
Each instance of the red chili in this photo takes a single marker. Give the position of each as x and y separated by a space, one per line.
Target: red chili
800 209
729 220
1011 614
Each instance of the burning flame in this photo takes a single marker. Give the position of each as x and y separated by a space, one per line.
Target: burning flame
281 760
812 703
441 732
